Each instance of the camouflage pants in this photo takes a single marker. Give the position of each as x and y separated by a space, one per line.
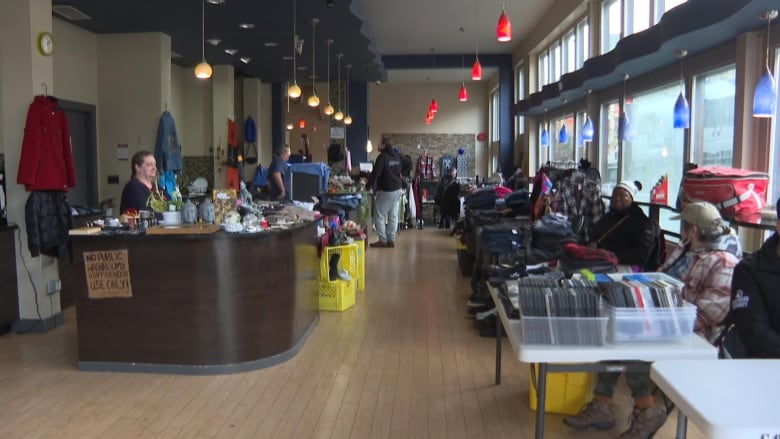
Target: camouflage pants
638 382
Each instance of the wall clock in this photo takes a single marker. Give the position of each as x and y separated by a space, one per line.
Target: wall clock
45 43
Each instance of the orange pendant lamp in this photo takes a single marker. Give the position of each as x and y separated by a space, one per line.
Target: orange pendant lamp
463 95
504 27
302 123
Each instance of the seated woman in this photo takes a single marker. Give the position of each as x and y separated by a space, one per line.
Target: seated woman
755 299
625 230
143 174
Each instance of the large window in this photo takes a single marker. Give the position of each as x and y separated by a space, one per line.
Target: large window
564 55
712 128
520 95
495 134
775 145
621 18
562 150
609 143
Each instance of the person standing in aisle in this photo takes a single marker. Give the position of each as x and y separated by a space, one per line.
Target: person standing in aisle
385 181
446 207
276 174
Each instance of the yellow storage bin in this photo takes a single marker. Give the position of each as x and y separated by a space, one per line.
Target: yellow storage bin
337 295
361 260
567 392
350 260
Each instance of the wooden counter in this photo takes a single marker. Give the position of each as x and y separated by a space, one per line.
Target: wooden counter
9 303
201 304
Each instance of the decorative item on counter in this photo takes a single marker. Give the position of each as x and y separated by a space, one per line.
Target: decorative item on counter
232 222
224 201
207 211
659 194
171 218
189 213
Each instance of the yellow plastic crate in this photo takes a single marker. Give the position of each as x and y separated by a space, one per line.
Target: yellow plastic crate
337 295
567 392
350 260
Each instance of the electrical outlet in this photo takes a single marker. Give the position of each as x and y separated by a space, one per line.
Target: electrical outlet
113 179
54 286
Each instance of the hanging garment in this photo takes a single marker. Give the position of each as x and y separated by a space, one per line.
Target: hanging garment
233 173
446 162
250 137
463 166
48 220
46 162
167 149
425 168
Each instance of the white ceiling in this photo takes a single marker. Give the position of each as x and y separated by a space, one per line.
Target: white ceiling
418 27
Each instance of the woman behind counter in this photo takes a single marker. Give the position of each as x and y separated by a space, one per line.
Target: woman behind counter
143 169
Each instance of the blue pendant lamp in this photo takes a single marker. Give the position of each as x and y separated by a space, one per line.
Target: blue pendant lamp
587 130
765 96
563 135
682 111
545 138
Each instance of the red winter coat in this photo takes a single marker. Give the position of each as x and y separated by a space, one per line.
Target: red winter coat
46 163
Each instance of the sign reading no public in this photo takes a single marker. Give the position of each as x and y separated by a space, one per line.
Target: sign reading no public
108 274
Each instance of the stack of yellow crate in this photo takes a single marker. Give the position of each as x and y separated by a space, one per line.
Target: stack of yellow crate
338 294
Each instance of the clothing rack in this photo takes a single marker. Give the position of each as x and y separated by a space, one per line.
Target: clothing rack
566 164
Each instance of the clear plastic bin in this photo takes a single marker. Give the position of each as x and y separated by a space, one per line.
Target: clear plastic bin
582 331
649 324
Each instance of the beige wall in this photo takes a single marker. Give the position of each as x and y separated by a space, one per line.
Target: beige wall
401 108
75 63
134 85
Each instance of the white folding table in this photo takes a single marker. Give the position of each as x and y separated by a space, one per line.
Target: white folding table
726 399
567 358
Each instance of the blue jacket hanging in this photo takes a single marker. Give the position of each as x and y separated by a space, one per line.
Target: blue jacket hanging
167 149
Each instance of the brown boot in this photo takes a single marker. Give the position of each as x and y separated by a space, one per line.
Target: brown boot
596 414
644 423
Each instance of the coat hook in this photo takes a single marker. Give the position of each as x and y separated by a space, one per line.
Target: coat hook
45 89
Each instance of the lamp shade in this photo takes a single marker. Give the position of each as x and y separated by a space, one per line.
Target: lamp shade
328 110
765 96
314 100
587 130
369 146
302 123
545 138
624 127
563 135
463 94
682 112
338 115
203 70
503 28
476 71
434 107
294 91
348 120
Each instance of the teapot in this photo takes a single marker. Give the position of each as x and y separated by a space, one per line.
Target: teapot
207 211
189 213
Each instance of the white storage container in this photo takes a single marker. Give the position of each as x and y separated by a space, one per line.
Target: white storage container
582 331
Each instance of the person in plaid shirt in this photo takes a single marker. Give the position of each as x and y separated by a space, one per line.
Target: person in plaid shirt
705 263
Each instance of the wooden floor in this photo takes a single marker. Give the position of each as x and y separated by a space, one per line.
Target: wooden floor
404 362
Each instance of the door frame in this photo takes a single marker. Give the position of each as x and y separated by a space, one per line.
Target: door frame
91 146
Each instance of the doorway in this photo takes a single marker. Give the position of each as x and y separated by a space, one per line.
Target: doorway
83 136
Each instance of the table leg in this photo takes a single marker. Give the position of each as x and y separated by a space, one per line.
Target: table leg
682 424
541 397
499 328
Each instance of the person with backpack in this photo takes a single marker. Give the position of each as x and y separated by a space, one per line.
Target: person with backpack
755 301
704 262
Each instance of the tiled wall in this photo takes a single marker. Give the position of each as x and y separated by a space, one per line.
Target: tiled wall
435 144
194 167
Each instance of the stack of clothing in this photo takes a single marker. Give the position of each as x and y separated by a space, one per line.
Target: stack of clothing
576 257
484 198
519 201
550 233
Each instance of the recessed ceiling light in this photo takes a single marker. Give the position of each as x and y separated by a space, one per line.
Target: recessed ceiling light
214 41
231 51
215 2
245 59
303 68
175 54
270 44
246 25
287 58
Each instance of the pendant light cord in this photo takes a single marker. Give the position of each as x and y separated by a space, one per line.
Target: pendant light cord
328 72
766 54
203 30
295 38
346 107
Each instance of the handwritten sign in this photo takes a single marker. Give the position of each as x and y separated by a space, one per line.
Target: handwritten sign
108 274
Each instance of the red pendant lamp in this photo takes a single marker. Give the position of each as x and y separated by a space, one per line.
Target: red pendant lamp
504 27
302 123
476 70
434 107
463 95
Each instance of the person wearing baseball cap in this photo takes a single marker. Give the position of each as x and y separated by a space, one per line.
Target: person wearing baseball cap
755 299
705 264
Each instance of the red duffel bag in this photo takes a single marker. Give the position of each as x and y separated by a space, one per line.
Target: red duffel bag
732 191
